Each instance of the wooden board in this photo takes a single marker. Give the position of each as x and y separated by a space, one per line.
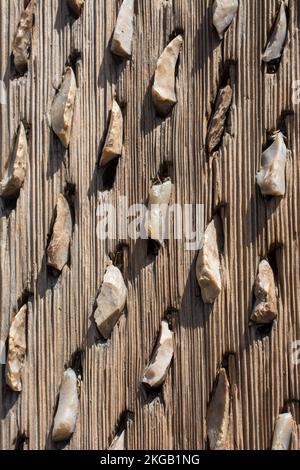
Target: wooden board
263 379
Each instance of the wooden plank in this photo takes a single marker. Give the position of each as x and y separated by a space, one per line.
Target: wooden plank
262 377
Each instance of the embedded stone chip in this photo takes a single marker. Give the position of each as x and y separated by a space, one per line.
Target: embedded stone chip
111 301
265 309
156 372
217 419
23 39
68 407
114 140
275 46
283 432
16 350
218 120
119 442
63 108
123 34
208 268
224 11
164 88
157 214
58 249
271 177
14 178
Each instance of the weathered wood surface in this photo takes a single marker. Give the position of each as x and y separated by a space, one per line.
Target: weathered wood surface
263 379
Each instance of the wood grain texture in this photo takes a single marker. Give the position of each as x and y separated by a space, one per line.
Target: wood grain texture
262 377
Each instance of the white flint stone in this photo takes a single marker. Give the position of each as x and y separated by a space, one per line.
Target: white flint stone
275 45
114 140
157 214
111 301
15 176
58 249
224 12
16 350
283 432
23 38
265 308
67 410
123 34
63 108
218 414
119 442
156 372
208 268
164 89
271 177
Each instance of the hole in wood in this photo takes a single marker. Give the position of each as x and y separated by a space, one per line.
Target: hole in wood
119 258
73 60
152 394
75 363
21 441
172 317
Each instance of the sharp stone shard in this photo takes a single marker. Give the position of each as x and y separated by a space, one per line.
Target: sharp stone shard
164 88
275 46
76 7
218 119
119 442
63 108
123 34
111 301
224 12
271 177
157 214
58 249
283 432
23 39
208 268
156 372
67 410
114 141
265 309
217 419
16 350
14 178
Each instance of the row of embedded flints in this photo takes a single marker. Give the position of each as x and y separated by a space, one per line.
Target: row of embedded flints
112 298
